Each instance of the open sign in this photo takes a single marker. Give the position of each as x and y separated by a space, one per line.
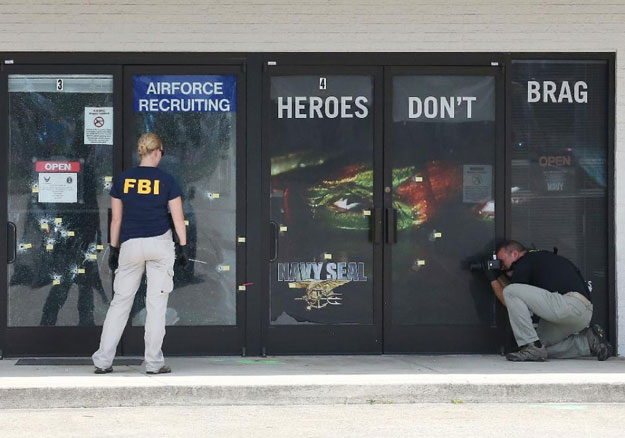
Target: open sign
57 166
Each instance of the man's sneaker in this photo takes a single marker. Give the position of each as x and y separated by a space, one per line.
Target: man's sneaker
529 353
103 370
162 370
598 342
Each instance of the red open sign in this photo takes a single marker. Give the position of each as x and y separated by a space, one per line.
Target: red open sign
57 166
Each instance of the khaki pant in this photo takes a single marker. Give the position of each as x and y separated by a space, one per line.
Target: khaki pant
156 256
562 317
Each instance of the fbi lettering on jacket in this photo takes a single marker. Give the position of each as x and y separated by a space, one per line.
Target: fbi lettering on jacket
142 186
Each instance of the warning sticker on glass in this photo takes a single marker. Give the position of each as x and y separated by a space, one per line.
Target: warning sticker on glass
477 183
58 187
99 125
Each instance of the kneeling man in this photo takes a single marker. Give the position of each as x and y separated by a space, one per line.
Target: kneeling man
551 287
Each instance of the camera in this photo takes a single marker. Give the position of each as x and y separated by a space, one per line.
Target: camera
489 264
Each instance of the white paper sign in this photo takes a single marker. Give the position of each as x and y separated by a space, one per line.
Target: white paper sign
477 183
99 125
58 187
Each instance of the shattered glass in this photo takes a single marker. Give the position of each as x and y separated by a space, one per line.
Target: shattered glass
60 275
201 156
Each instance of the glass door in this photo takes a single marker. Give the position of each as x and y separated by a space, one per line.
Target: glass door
61 136
443 140
197 111
322 146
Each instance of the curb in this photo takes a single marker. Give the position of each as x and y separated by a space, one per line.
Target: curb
168 395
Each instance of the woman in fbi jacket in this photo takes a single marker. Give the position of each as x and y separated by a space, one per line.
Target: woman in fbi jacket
140 224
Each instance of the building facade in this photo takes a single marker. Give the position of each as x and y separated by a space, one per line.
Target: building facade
343 165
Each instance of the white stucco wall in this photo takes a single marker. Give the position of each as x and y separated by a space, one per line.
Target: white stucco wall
334 25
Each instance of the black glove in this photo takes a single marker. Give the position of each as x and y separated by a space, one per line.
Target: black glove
114 258
492 274
183 255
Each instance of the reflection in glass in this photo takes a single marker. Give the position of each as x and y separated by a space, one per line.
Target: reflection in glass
321 149
59 177
443 152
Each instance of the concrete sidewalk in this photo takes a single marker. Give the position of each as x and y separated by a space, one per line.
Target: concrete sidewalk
290 380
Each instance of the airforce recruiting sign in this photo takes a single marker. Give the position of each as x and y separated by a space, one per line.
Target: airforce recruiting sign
184 94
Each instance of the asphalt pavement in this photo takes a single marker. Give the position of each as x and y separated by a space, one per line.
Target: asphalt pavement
444 420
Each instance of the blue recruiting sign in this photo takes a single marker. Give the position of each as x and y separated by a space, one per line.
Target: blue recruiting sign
184 94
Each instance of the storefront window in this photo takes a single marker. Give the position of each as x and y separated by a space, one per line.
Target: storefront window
559 170
60 171
321 149
197 124
443 149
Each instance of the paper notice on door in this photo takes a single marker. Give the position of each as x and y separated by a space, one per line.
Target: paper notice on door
58 187
99 125
477 183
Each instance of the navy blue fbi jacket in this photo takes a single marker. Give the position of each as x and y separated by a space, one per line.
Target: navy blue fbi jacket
549 271
144 192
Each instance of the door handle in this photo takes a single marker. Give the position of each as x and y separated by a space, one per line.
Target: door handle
376 226
391 225
274 240
11 242
394 225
